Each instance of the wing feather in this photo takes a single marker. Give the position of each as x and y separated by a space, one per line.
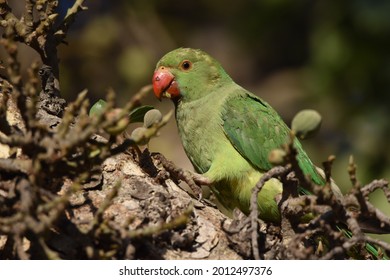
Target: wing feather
255 129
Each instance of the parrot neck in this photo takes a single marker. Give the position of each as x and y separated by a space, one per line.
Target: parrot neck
200 87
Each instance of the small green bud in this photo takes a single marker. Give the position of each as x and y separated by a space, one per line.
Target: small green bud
151 117
276 156
138 135
306 123
137 115
119 126
97 108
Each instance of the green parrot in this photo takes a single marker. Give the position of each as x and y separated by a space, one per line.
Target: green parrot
227 132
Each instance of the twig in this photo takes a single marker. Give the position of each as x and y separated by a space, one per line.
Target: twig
254 211
328 169
374 185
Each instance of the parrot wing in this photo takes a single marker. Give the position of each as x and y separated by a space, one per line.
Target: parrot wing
255 129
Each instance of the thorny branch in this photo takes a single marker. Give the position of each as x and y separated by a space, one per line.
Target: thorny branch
337 226
43 31
51 154
254 211
68 152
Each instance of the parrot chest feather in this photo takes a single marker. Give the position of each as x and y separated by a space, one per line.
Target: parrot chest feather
200 129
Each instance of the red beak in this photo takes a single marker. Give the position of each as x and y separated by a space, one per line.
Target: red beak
164 84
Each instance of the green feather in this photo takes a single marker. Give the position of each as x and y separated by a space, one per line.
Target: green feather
255 129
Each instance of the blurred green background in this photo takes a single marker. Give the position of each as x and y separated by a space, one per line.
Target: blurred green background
330 55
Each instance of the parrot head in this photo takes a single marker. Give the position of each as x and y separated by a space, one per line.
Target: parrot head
186 74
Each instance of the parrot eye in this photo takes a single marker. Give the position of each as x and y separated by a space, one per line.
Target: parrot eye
186 65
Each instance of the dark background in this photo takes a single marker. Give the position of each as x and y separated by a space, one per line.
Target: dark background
332 56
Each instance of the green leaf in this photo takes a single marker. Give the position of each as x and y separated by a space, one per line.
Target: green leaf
137 115
97 108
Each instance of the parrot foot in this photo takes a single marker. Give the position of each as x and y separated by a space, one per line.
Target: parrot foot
193 180
200 179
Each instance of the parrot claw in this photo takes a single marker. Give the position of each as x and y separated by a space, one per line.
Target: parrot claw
200 179
193 180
